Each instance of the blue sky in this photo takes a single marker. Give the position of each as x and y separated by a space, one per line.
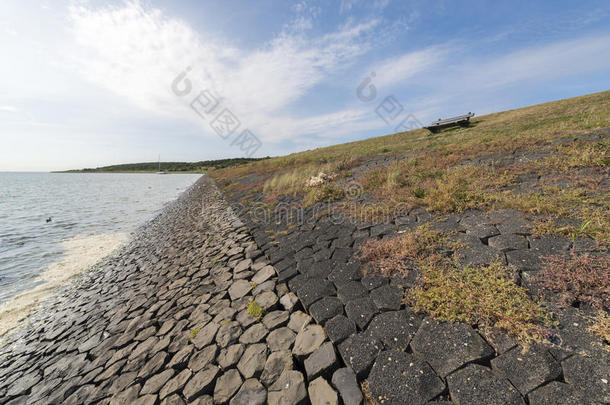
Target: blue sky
89 83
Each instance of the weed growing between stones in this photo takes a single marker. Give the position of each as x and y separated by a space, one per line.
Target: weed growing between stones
398 254
601 327
194 333
481 296
326 193
577 279
366 393
255 310
579 154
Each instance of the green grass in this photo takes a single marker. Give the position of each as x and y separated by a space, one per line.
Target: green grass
482 296
194 333
255 310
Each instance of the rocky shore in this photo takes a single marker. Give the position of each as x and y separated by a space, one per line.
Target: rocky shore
211 306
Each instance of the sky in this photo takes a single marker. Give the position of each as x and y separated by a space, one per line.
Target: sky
93 83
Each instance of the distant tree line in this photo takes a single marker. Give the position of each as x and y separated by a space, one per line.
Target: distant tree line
171 166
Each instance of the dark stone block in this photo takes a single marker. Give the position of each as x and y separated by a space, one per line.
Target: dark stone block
287 274
303 265
475 384
448 346
313 290
529 370
381 230
319 269
343 242
339 328
555 393
449 224
510 222
589 375
322 254
480 256
400 378
325 309
321 362
387 297
361 234
297 282
548 245
361 311
524 260
359 352
508 242
394 329
341 255
351 290
372 282
482 231
284 264
345 382
345 272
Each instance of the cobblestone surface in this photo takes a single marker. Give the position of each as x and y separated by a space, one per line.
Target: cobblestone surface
170 319
382 341
166 321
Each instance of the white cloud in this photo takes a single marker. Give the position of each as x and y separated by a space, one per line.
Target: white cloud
547 62
401 68
136 52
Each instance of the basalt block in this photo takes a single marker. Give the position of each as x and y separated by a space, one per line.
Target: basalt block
528 370
361 311
359 352
475 384
394 329
400 378
448 346
325 309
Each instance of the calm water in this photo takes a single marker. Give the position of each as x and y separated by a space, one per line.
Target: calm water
83 207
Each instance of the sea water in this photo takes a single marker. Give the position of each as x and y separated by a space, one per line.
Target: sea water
56 225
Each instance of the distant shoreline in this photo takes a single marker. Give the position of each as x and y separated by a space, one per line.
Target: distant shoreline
130 171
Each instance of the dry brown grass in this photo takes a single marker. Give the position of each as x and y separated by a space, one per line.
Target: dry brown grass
601 328
429 171
580 278
396 255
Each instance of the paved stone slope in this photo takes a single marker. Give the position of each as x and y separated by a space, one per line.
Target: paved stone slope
407 357
166 321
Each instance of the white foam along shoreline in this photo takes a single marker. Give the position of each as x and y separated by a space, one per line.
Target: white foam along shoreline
81 253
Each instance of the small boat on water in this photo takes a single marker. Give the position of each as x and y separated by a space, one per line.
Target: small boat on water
160 171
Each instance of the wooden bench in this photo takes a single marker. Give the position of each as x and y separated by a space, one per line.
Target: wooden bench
438 125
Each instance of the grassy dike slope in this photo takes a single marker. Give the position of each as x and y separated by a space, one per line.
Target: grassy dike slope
546 166
465 168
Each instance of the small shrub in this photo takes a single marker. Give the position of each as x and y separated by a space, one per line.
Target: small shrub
327 193
255 309
194 333
393 255
366 392
482 296
577 279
